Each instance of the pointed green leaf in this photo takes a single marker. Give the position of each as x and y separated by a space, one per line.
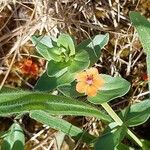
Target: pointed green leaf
61 125
93 46
45 40
70 90
25 101
15 139
56 68
80 61
114 87
55 54
45 83
137 113
66 41
65 79
142 26
46 49
110 140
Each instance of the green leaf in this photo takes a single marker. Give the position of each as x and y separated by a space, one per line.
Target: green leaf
59 139
46 49
55 54
70 90
3 134
137 113
114 87
93 46
66 41
25 101
45 40
80 62
46 83
65 79
142 26
123 147
109 140
15 139
56 68
146 144
61 125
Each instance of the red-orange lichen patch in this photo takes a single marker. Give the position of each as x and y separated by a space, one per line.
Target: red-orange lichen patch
28 67
145 77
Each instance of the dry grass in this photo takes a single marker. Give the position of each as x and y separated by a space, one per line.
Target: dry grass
81 18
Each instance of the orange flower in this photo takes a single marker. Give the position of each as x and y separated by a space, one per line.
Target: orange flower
29 67
89 82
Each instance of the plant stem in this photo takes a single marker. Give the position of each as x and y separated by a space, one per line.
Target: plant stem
111 112
116 118
148 69
134 137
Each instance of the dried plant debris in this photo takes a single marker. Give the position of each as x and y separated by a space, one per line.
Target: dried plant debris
20 67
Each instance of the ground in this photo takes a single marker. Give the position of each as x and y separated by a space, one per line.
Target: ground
123 55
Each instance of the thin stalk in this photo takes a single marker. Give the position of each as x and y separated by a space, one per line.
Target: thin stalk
116 118
148 69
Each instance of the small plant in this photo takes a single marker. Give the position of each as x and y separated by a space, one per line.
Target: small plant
70 71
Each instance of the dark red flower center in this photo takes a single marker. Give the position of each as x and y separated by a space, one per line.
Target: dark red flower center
89 79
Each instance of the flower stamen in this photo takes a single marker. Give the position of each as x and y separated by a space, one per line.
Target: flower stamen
89 79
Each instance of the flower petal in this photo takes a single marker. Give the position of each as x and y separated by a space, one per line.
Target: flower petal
81 87
91 90
92 71
81 76
98 81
